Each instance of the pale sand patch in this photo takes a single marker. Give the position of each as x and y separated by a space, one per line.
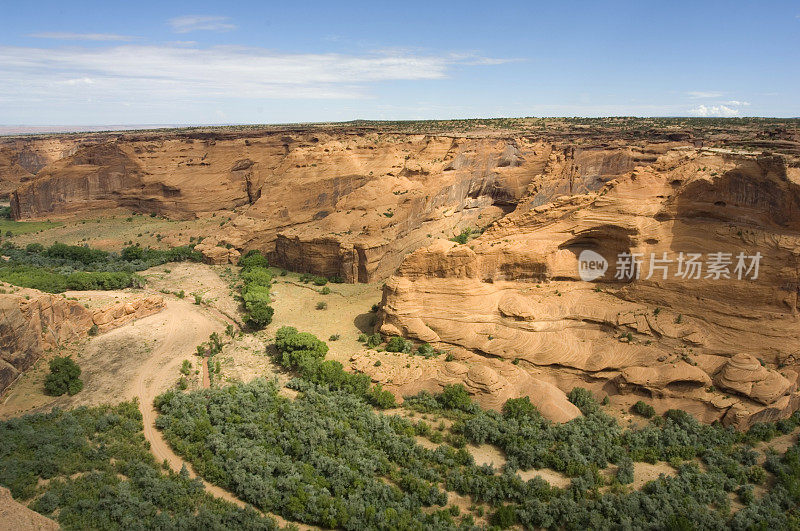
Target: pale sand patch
556 479
645 472
486 454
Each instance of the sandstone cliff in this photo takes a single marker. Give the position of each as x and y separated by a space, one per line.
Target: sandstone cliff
515 293
347 204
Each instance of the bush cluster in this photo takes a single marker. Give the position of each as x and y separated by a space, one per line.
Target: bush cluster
91 468
62 267
323 458
644 409
305 353
317 280
256 283
398 344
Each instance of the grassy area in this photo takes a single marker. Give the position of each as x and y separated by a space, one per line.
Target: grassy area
15 228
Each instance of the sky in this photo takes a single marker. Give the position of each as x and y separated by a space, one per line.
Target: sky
148 62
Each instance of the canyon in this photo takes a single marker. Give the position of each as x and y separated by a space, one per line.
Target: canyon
372 202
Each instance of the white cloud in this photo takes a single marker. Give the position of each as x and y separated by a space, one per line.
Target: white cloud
177 73
737 103
77 81
82 36
714 110
188 23
697 94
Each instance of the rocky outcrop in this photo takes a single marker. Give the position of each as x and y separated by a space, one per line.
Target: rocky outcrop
516 293
744 374
118 314
491 381
32 323
22 158
217 254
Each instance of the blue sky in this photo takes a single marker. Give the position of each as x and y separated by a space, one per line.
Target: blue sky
143 62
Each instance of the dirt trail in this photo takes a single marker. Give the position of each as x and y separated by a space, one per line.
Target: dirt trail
187 325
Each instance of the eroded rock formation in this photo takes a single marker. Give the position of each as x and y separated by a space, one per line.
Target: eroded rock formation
347 204
362 203
515 292
32 322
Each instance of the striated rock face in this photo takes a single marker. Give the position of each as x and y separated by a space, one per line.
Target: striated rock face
515 292
347 204
744 374
22 158
32 322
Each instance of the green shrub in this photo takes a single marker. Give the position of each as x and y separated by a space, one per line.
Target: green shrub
321 305
455 396
583 399
463 237
64 377
253 258
644 409
93 330
426 350
256 276
504 517
625 471
520 408
305 353
374 340
256 294
398 344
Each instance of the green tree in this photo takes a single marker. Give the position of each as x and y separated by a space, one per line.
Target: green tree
64 377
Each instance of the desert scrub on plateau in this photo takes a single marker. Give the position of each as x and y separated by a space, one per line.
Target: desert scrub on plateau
585 446
284 456
61 267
